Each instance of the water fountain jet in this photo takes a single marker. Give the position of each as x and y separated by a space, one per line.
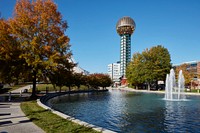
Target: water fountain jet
174 91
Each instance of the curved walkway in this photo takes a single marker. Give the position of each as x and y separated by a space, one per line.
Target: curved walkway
147 91
13 120
21 89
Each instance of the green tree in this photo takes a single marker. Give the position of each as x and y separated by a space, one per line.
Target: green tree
161 59
134 71
157 64
150 66
59 76
39 29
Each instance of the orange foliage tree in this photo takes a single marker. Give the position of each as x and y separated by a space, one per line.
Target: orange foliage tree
39 29
9 53
188 75
97 80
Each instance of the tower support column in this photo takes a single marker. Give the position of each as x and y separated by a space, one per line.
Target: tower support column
125 53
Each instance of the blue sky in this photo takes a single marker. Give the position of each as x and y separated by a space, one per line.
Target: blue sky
175 24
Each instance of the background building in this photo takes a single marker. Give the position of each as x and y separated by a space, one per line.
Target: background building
192 67
114 71
78 69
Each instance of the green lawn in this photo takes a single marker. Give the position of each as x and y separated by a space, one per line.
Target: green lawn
49 122
42 87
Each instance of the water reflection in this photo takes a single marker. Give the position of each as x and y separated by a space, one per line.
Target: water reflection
128 112
182 116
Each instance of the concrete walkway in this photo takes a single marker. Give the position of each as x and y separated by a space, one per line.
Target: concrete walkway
147 91
21 89
13 120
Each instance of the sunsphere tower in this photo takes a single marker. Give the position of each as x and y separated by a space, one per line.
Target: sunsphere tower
125 28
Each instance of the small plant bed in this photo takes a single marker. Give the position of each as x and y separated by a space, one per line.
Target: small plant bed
49 122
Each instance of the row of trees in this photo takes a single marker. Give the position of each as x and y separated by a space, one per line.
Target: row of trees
92 81
33 45
149 66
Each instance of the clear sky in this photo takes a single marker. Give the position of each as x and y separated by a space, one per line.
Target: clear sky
175 24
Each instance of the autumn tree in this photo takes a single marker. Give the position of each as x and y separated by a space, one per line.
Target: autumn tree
97 80
93 81
79 79
188 74
105 80
69 81
10 51
39 29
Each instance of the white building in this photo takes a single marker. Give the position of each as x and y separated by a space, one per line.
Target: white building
114 71
78 69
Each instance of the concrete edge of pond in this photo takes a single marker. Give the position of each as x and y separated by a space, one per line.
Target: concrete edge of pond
146 91
100 129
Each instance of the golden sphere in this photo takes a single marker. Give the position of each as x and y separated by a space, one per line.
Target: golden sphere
125 25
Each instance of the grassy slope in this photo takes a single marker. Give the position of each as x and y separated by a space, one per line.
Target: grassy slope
42 87
50 122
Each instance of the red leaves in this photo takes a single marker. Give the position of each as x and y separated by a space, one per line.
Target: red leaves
99 80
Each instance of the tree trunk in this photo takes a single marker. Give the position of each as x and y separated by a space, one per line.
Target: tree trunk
79 88
60 89
148 86
17 81
54 86
34 85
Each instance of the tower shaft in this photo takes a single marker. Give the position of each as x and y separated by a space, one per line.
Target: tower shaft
125 28
125 53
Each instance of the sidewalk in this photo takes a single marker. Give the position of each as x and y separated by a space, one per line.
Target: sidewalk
13 120
147 91
21 89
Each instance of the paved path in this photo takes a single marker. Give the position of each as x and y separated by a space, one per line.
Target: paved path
21 89
13 120
147 91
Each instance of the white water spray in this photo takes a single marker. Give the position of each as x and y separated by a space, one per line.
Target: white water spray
172 90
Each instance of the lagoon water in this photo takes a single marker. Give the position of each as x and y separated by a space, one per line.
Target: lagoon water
127 112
